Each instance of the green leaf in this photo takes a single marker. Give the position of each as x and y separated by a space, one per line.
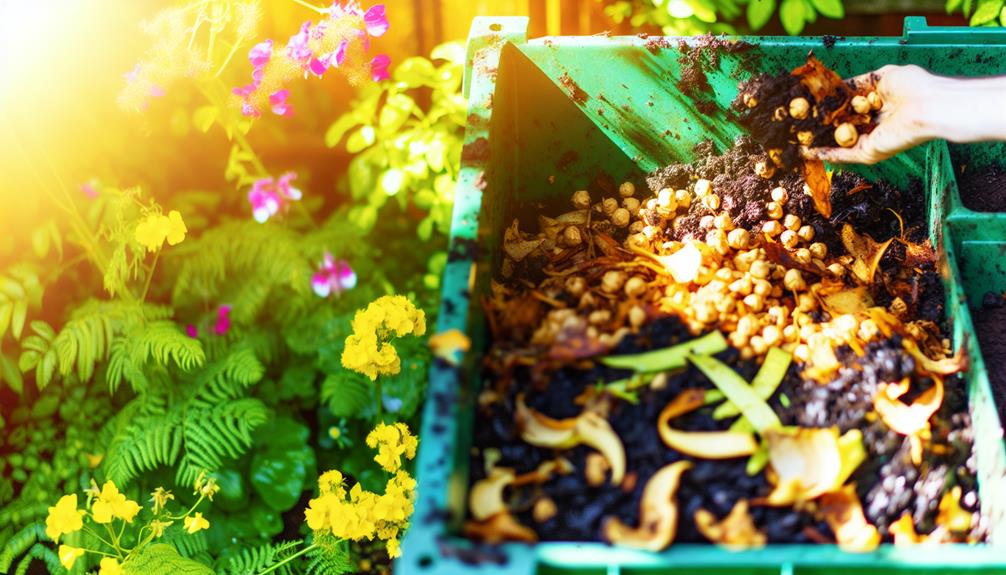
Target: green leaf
18 317
1002 16
830 8
163 559
338 129
346 394
279 475
450 51
704 10
759 12
416 71
733 386
45 369
396 111
674 357
44 407
6 310
40 241
765 382
360 139
792 16
953 5
987 11
204 116
11 374
233 495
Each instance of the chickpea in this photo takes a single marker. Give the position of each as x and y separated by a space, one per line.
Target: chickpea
754 302
771 228
609 205
702 187
805 137
758 345
636 226
868 330
791 222
801 353
726 305
717 239
665 197
760 269
723 221
836 269
772 335
620 217
575 285
581 199
739 239
806 302
874 99
805 233
741 286
571 236
595 469
749 100
861 104
635 286
627 189
683 198
637 316
790 333
724 274
818 250
779 114
846 135
612 281
631 204
794 280
773 210
747 325
789 239
762 288
775 154
764 170
711 202
738 340
545 509
799 108
649 232
802 256
706 222
598 317
780 195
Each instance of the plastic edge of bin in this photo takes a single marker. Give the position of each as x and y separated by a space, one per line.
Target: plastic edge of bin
917 31
425 548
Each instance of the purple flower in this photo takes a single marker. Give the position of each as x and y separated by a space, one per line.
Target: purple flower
277 100
376 21
260 54
297 48
267 196
333 276
223 323
192 331
379 67
339 56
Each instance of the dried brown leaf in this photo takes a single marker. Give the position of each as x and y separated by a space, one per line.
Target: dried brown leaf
819 184
843 512
735 532
866 251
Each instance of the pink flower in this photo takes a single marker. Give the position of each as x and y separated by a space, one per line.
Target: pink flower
156 91
376 21
192 331
297 48
333 276
267 196
278 102
223 323
379 67
260 54
90 188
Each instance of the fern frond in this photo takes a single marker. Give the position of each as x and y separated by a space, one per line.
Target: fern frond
330 558
228 378
43 554
19 544
256 559
211 435
161 341
191 545
144 435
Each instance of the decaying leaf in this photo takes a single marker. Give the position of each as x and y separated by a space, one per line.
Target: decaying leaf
515 246
486 496
867 253
499 528
755 409
903 531
674 357
702 444
450 345
765 382
683 265
909 419
544 472
658 513
818 78
946 366
735 532
952 516
843 512
809 462
588 428
847 300
819 183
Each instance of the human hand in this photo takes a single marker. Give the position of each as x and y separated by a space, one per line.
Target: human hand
902 122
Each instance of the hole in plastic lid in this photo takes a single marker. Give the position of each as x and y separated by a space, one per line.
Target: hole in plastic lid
425 562
495 27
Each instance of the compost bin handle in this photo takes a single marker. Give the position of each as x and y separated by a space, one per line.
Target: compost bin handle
917 32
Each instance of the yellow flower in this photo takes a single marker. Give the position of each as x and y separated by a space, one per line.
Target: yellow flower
392 442
160 498
157 527
64 517
394 549
176 228
367 350
196 523
331 482
110 566
69 555
112 504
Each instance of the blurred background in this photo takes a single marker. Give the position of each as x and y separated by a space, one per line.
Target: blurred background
62 64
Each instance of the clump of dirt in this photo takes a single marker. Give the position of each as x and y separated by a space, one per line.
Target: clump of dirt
990 327
698 59
983 189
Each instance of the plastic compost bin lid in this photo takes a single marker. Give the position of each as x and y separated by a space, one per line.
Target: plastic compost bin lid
546 117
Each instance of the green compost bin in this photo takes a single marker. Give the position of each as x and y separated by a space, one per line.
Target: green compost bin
546 116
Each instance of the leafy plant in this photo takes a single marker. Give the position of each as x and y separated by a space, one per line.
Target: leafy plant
689 17
980 13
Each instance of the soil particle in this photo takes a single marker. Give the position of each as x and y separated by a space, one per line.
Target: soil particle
990 326
829 40
477 151
983 189
575 91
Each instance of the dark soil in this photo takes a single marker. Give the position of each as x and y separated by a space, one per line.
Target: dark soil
990 326
984 189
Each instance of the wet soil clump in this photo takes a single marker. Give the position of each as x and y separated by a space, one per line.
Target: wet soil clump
983 189
990 327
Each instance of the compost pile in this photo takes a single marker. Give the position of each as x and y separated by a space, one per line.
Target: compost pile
715 360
